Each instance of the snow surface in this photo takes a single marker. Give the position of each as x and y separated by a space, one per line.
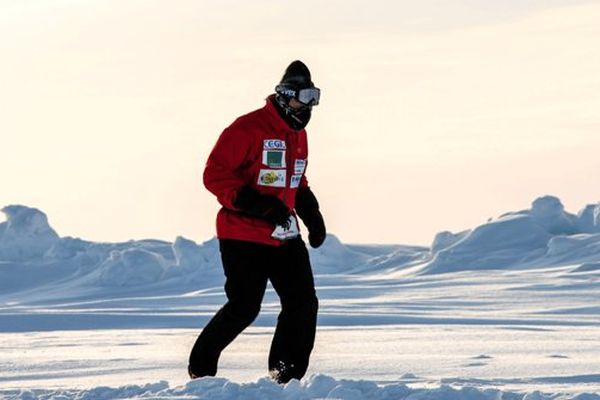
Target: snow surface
508 309
316 387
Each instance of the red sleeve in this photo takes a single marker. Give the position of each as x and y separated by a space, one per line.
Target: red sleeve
303 182
222 174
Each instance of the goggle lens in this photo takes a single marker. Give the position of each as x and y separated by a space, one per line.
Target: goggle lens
309 96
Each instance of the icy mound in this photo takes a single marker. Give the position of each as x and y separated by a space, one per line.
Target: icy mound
67 248
589 219
316 387
132 267
574 247
550 214
25 235
497 244
545 231
191 257
446 239
27 238
148 262
335 257
194 263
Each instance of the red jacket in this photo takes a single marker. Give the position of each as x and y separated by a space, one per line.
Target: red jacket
260 150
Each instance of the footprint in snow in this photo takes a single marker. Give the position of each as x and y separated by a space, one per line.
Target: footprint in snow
475 364
482 357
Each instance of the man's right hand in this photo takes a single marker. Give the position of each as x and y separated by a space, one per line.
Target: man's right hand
264 206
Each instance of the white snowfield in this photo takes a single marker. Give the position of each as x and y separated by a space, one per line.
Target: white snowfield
507 310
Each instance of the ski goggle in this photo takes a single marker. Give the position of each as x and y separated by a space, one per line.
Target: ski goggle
307 96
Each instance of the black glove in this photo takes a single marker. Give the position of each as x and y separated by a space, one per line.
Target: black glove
265 206
307 208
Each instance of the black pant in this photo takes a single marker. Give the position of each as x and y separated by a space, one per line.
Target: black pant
247 267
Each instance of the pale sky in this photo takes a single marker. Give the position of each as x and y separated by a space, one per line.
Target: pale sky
435 115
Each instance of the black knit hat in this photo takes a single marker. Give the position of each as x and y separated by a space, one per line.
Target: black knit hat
297 75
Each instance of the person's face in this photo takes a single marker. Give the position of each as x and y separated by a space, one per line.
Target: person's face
295 104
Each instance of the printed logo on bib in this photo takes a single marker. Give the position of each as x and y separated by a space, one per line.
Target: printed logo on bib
295 181
272 177
273 144
299 166
274 158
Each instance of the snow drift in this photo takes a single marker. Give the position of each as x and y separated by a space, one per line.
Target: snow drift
25 235
545 234
321 387
28 242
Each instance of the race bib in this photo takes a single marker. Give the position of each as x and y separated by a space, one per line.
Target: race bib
281 233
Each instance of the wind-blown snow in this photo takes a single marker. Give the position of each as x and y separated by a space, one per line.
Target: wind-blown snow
132 267
529 237
510 305
316 387
542 235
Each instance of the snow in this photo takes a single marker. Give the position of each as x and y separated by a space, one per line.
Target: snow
589 219
316 387
132 267
25 234
508 309
535 236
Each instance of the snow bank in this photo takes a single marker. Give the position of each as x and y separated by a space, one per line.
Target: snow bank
335 257
445 239
544 231
316 387
67 248
132 267
192 257
589 219
25 235
574 247
27 238
550 214
497 244
199 264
